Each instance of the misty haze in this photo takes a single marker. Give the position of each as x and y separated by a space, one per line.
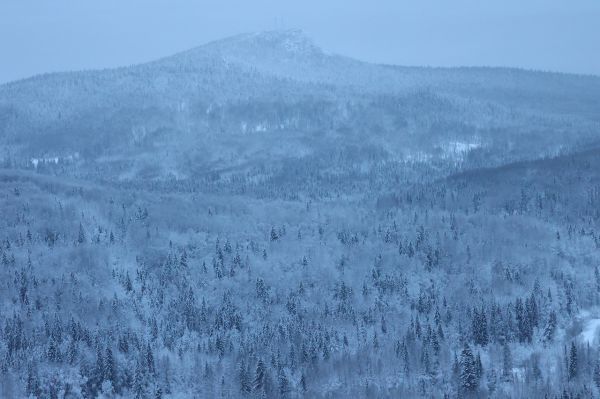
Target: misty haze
261 217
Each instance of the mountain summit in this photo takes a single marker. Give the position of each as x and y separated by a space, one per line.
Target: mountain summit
284 53
293 42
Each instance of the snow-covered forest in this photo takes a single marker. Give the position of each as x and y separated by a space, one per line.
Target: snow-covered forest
256 218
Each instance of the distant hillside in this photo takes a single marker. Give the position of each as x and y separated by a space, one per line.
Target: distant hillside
230 103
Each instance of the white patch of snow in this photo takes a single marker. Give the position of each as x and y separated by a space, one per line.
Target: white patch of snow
459 147
518 373
416 156
53 160
590 331
261 127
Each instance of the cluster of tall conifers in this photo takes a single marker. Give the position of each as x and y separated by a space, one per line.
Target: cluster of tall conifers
287 338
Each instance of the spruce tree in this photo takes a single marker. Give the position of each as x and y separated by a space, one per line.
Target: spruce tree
550 327
506 363
479 327
483 329
573 366
150 360
109 367
139 383
259 376
283 383
81 234
245 382
99 371
405 358
468 371
274 236
596 375
33 384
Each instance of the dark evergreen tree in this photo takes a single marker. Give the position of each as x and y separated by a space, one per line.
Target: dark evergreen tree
596 374
139 383
109 368
507 367
259 384
150 360
597 279
283 383
244 377
99 369
81 235
33 384
274 235
405 358
468 370
479 327
573 369
550 328
478 367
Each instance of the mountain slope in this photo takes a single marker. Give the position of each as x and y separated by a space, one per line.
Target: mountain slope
219 105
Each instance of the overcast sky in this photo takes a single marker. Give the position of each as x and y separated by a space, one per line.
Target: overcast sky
39 36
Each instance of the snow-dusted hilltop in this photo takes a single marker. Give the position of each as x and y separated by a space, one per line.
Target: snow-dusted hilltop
167 116
259 218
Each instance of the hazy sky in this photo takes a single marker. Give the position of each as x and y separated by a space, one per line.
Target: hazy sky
51 35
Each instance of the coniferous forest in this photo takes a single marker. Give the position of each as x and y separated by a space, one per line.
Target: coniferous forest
257 218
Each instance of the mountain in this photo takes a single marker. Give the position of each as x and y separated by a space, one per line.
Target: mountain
277 97
256 217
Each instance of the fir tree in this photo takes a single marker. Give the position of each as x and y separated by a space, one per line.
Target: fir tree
506 363
550 328
573 365
109 367
468 370
283 383
244 376
274 236
139 383
259 377
405 359
81 235
479 327
596 375
32 384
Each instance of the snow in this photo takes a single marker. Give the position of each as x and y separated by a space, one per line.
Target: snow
261 127
518 373
52 160
455 149
590 331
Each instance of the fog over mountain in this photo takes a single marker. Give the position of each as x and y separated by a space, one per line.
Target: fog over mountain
259 217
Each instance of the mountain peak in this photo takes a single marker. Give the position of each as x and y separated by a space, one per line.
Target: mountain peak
289 41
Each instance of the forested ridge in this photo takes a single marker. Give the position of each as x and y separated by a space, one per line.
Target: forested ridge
351 240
